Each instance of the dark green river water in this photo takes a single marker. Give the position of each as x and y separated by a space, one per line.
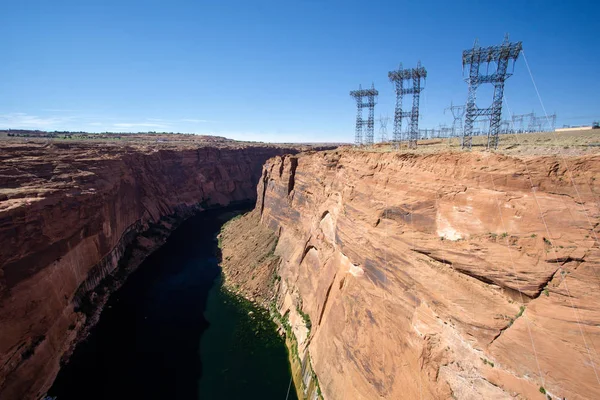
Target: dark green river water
171 332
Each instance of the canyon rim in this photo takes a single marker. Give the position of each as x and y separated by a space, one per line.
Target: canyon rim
431 274
76 218
442 275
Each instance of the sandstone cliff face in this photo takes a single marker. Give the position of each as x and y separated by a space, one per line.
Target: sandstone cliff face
437 276
67 214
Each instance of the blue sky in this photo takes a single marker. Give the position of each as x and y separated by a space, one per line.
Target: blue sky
277 70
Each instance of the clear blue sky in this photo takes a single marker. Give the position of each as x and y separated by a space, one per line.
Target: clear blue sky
277 70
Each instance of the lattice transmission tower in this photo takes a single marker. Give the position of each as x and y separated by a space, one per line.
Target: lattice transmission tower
500 55
445 131
547 123
536 124
458 113
483 126
544 123
398 77
360 95
520 119
533 122
383 123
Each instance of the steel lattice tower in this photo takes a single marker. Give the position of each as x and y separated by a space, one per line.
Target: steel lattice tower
458 112
536 124
398 77
520 119
500 55
517 119
383 123
484 126
445 132
532 125
359 95
544 123
551 121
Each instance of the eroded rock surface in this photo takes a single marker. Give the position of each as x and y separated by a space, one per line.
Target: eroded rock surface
469 275
68 213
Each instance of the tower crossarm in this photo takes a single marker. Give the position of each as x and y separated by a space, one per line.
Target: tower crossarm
505 51
364 92
492 78
479 112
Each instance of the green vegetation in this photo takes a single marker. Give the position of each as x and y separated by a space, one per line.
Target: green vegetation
305 317
548 242
314 378
487 362
512 320
542 390
533 235
284 322
275 278
546 292
504 235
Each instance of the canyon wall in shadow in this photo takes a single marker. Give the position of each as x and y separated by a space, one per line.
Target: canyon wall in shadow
72 215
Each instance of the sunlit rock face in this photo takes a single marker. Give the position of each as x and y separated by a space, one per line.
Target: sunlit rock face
68 212
470 275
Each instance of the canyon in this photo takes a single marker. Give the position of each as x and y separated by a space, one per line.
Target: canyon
434 275
77 216
428 274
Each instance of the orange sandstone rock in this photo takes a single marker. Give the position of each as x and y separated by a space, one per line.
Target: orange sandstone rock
471 275
67 213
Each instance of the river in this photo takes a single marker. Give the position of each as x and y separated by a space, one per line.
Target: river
171 332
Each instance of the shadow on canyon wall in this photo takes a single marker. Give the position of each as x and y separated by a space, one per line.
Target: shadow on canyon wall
146 344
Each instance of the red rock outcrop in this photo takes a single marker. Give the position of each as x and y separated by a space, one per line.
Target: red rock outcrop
469 275
68 212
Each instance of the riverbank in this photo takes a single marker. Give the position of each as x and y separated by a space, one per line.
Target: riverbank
251 270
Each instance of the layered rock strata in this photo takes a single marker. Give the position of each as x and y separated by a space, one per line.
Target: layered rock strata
68 214
466 276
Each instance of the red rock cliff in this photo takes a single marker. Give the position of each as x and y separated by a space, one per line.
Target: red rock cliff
67 213
437 276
